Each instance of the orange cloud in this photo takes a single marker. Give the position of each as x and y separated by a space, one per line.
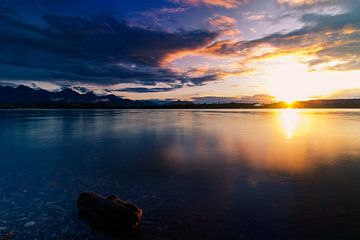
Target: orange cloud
349 29
217 3
222 22
230 32
224 25
170 57
330 49
297 3
221 74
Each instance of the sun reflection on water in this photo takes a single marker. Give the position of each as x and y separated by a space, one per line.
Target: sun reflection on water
289 120
278 139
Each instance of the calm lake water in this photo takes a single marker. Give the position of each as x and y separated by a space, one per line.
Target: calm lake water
197 174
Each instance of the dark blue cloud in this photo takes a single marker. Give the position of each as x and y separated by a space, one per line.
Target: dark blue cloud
98 49
183 81
142 90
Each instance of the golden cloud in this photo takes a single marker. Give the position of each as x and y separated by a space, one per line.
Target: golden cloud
222 22
297 3
217 3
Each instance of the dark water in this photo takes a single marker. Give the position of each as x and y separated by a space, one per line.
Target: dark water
197 174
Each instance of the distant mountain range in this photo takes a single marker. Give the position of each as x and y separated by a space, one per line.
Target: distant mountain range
23 96
26 97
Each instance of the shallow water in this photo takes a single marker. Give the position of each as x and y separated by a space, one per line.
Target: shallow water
197 174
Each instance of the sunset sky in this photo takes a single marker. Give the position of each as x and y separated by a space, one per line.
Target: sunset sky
201 50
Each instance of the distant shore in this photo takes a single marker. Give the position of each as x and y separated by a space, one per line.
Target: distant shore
342 103
26 97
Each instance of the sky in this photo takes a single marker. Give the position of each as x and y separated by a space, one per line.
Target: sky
200 50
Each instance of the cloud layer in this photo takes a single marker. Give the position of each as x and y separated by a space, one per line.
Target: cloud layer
329 42
98 49
297 3
177 44
211 3
258 98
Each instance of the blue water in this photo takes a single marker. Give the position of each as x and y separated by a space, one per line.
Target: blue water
197 174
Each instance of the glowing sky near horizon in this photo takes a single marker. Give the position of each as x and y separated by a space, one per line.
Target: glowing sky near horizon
202 50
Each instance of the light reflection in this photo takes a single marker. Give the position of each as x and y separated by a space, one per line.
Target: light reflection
281 140
289 119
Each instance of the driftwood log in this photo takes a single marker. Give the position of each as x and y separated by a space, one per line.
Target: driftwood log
110 215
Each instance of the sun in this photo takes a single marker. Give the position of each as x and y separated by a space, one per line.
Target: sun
288 100
290 81
289 104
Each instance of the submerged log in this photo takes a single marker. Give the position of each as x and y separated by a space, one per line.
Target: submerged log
110 215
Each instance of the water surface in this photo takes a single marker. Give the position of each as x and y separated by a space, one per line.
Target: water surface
197 174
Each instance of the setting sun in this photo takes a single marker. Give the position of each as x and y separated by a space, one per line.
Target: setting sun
289 81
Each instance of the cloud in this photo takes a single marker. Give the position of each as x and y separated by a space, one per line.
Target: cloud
344 94
201 75
222 22
166 10
141 90
80 89
224 25
258 98
298 3
103 50
191 78
157 17
329 42
230 32
255 16
212 3
253 30
99 49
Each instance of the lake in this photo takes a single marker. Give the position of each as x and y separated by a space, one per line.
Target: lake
197 174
